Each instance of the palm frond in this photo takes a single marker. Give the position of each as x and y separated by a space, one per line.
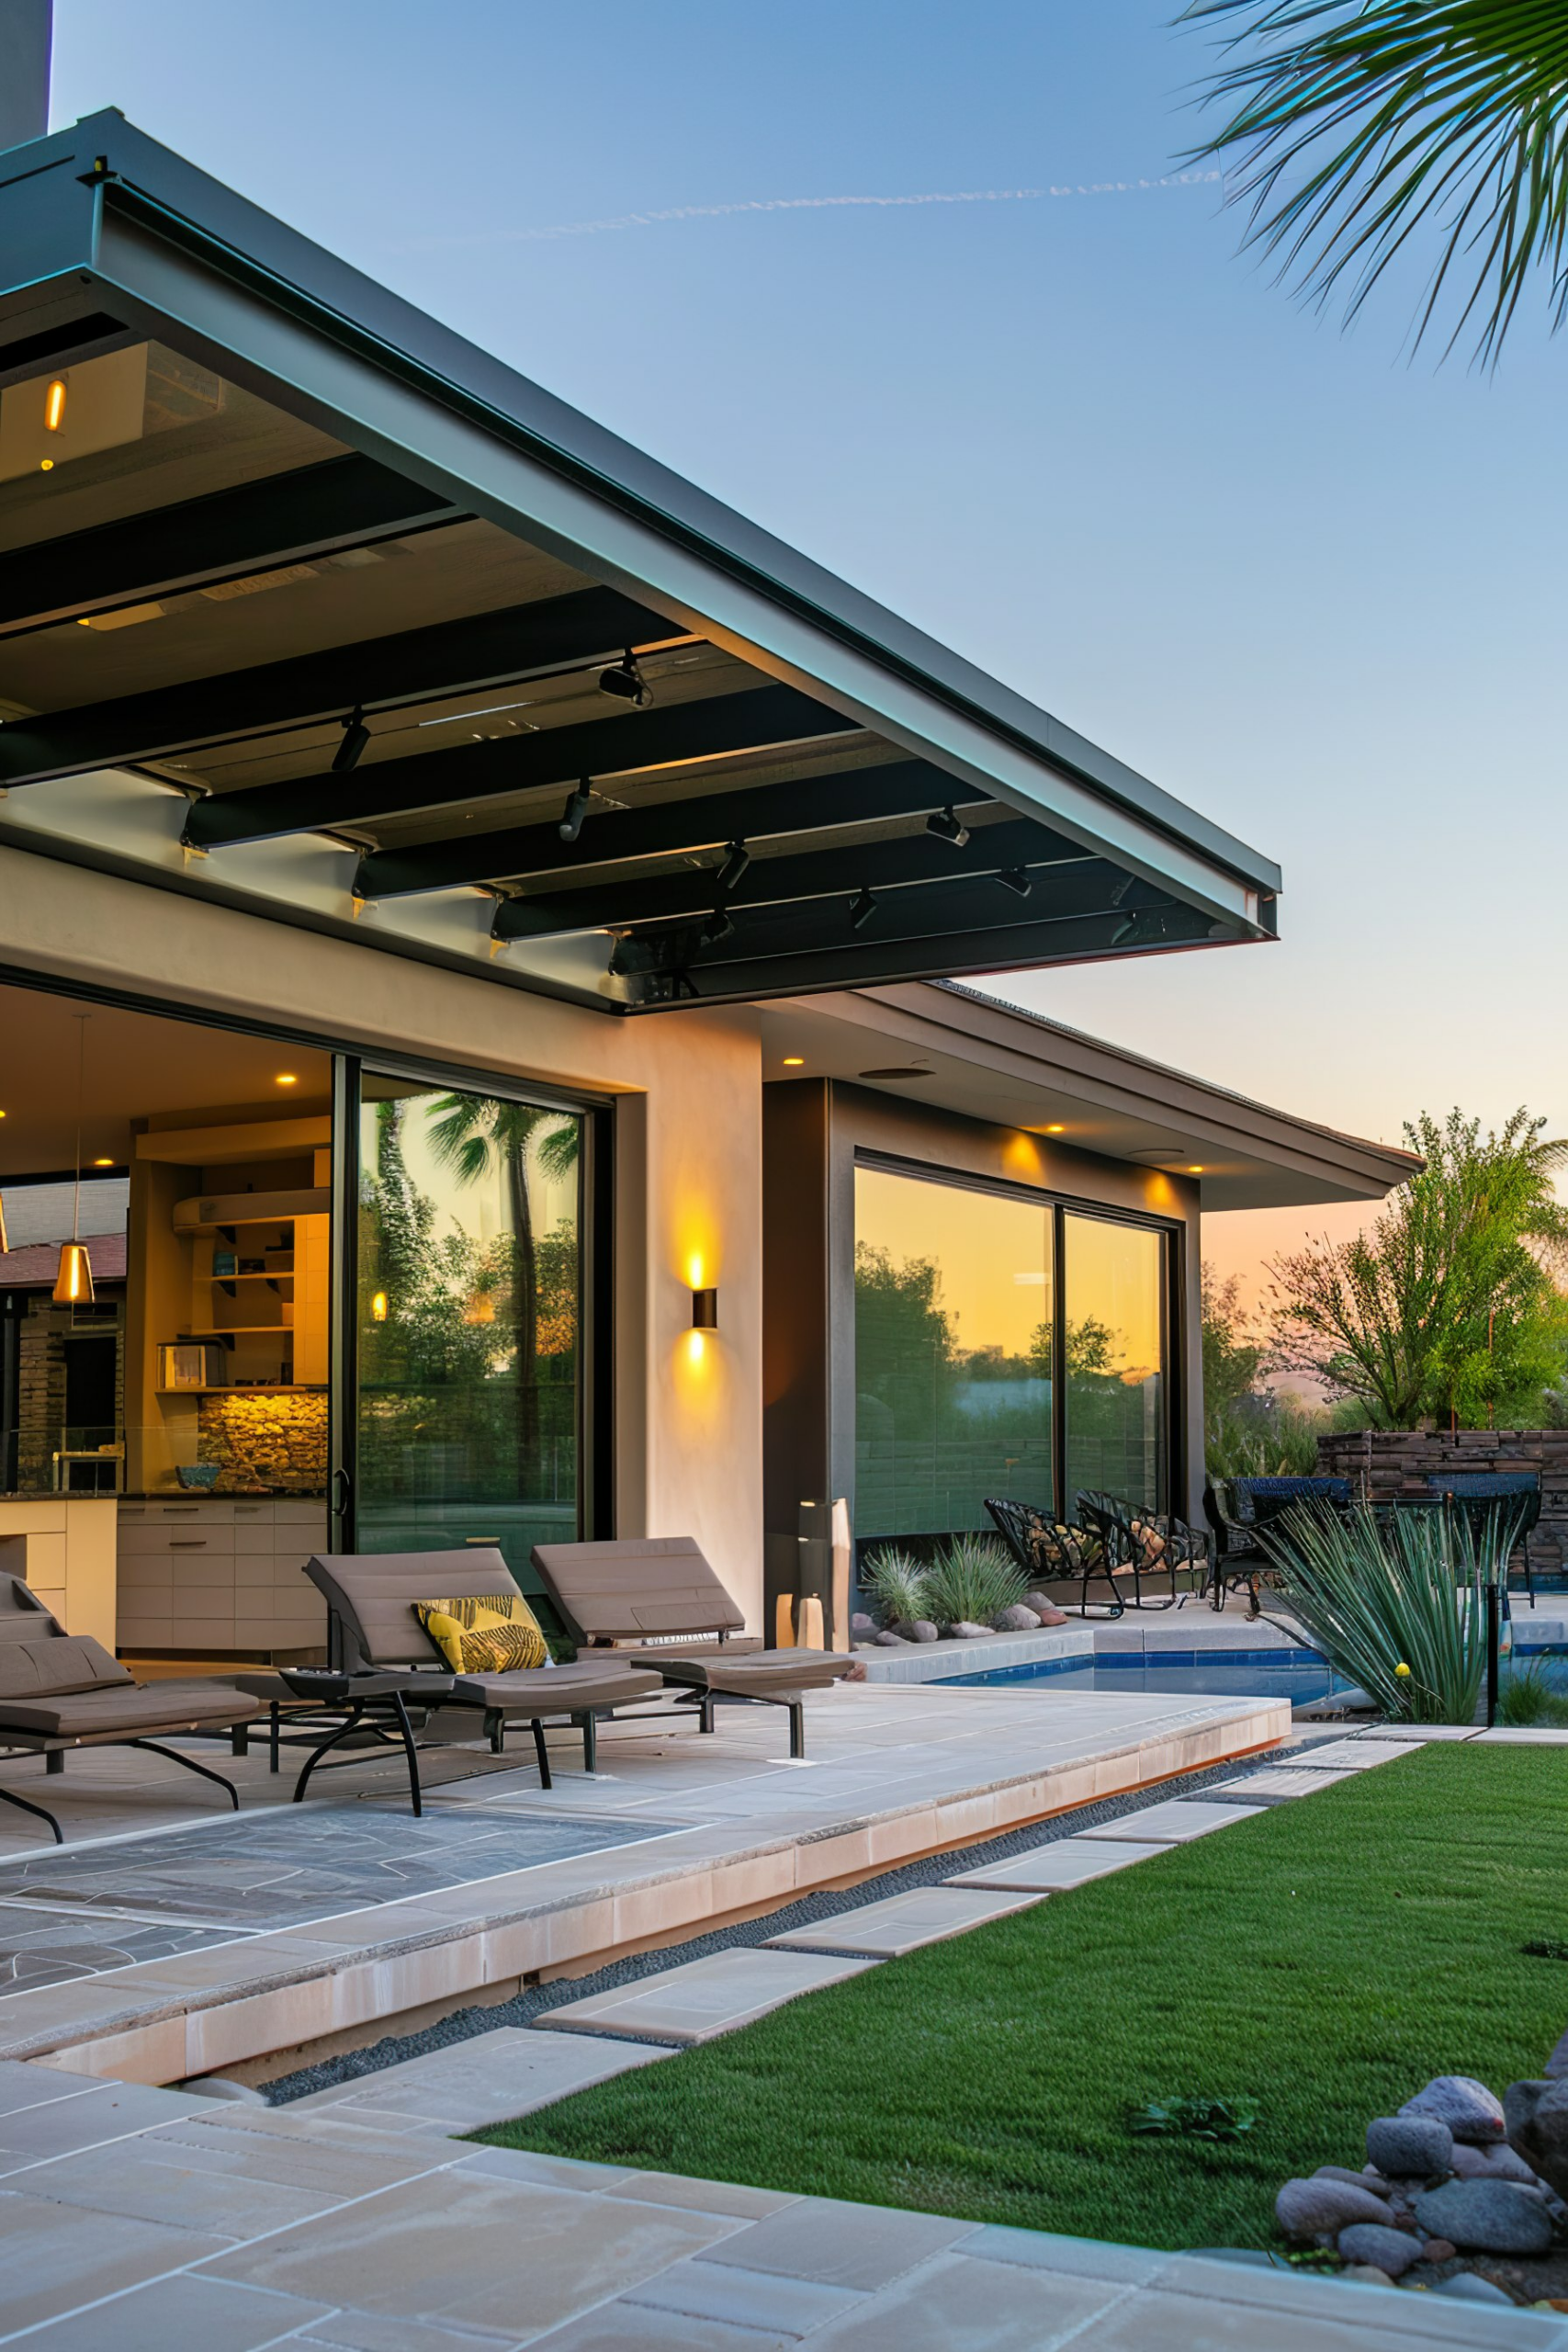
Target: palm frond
1362 127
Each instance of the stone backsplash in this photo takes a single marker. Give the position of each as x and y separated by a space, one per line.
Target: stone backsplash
276 1443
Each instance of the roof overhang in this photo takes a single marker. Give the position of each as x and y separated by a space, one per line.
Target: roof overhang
454 545
956 1049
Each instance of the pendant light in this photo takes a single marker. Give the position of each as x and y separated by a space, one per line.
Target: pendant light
74 1281
5 1245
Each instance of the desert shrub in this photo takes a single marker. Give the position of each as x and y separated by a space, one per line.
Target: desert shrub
971 1578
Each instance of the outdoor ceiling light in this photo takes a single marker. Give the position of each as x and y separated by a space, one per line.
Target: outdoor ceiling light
717 927
577 807
732 873
356 735
54 406
626 682
704 1310
1015 879
948 828
862 905
794 1061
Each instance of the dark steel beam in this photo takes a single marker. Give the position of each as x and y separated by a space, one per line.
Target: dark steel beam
319 510
805 805
751 719
450 657
1071 937
835 872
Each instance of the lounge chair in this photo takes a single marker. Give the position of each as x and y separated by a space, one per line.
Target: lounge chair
1149 1543
371 1625
1055 1556
659 1590
60 1691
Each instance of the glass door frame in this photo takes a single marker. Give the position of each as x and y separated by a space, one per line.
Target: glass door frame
1057 1207
595 1226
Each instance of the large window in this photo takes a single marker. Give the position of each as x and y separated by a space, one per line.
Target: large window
1114 1345
966 1301
953 1352
470 1322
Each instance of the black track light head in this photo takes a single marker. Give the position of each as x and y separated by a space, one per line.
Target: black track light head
626 682
717 929
732 873
1015 879
862 905
577 807
356 735
948 828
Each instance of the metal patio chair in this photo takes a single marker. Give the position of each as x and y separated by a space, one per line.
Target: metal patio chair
1145 1542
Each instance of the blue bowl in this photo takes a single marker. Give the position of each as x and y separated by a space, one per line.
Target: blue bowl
200 1475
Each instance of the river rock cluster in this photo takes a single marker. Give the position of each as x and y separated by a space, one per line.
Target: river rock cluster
1025 1616
1458 2174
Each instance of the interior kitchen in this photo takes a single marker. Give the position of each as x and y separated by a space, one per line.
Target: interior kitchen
164 1296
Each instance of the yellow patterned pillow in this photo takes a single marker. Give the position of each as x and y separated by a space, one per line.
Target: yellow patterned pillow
491 1635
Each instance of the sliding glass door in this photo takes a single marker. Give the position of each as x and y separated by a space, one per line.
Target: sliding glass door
1115 1352
467 1321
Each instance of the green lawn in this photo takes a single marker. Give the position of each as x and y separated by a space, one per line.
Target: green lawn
1322 1959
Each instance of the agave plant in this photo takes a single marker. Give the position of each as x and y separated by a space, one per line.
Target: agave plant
899 1586
1396 1605
972 1577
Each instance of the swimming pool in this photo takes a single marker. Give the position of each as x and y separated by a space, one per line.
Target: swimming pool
1300 1676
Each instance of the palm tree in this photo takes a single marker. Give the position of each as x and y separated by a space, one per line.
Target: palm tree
1360 128
472 1134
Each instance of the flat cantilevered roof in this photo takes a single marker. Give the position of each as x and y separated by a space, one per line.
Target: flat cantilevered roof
309 606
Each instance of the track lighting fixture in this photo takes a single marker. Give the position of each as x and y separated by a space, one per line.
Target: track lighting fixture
626 682
356 735
576 808
1015 879
717 927
862 905
948 828
732 873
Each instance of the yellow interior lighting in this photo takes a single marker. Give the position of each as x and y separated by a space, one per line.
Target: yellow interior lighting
379 1307
55 405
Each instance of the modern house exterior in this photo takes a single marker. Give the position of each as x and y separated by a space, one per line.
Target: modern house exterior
499 912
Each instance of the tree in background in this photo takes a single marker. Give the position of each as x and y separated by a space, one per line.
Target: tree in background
1249 1430
1445 1309
1364 131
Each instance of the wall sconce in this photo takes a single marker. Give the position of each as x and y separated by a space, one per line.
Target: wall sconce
379 1307
704 1310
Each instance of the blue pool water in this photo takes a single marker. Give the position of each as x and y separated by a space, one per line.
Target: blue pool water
1300 1676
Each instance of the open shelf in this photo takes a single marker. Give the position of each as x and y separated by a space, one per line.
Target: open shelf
254 1388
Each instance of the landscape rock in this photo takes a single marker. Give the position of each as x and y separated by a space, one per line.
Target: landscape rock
1487 2216
1018 1618
1388 2250
1497 2163
1368 2179
1366 2274
1467 2107
1408 2144
224 2086
963 1631
1537 2128
887 1640
1312 2209
861 1625
1046 1609
1464 2287
1438 2250
922 1630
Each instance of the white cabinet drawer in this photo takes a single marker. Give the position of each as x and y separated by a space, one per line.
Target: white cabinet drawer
184 1540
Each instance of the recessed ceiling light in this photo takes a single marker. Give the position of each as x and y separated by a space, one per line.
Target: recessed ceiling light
1196 1169
286 1078
794 1061
905 1069
1056 1129
103 1163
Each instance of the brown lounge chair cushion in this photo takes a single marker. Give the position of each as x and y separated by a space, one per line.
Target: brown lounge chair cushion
47 1665
127 1710
555 1690
770 1674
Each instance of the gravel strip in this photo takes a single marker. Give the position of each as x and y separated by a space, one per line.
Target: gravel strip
522 2010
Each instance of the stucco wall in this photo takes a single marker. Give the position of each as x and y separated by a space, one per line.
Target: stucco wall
688 1175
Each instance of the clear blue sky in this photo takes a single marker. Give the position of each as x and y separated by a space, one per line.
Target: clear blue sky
1314 590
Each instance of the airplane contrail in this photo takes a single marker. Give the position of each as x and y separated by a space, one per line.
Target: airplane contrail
815 204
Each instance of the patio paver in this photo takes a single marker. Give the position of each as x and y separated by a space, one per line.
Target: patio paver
510 2071
1276 1787
1176 1821
1068 1861
928 1914
1354 1756
702 1998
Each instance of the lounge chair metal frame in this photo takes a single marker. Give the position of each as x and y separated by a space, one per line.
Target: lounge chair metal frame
1111 1517
1011 1520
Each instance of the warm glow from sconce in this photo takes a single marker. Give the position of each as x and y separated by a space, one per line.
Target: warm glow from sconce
694 1271
379 1307
1197 1169
1022 1156
54 406
696 1346
286 1078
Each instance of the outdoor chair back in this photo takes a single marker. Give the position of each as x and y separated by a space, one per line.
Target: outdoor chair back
370 1599
646 1587
1148 1544
1054 1554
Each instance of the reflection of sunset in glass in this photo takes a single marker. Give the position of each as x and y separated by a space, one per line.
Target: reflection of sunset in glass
994 1254
1114 1278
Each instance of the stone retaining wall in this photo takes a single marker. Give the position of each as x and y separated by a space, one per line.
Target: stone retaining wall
1382 1464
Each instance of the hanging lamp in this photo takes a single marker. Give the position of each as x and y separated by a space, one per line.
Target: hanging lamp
73 1279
